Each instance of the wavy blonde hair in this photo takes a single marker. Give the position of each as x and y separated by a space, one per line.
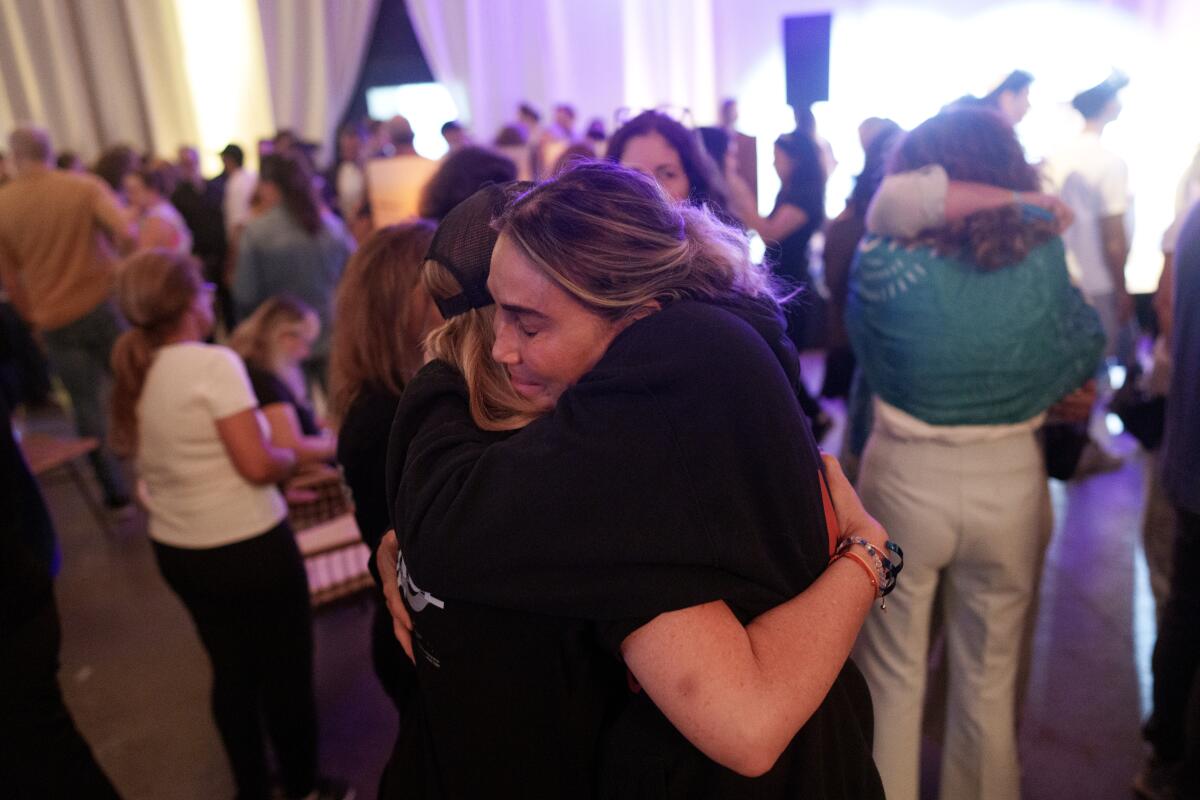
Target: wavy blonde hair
612 240
155 289
381 309
254 337
465 341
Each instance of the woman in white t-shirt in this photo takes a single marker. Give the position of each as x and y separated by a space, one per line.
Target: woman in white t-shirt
186 411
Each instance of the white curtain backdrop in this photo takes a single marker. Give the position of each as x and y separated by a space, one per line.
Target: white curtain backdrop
74 67
157 74
314 50
599 55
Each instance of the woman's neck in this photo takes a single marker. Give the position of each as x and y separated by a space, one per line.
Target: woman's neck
187 331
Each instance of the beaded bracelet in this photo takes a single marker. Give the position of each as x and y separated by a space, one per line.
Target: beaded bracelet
1031 212
886 569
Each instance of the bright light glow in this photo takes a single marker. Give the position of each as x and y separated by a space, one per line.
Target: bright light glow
426 106
896 59
1145 627
226 70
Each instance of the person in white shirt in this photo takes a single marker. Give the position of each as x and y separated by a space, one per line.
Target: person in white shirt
239 190
219 526
1094 182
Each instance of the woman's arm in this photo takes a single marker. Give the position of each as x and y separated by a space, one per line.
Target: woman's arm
740 694
287 433
910 202
786 220
255 459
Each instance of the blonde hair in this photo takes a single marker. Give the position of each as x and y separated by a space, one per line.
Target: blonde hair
381 310
254 337
465 341
612 240
155 289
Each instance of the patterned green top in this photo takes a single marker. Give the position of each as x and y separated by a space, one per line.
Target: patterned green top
952 344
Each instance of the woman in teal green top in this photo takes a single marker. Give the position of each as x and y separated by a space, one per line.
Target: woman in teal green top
966 335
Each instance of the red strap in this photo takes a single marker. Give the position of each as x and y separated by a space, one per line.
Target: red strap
832 528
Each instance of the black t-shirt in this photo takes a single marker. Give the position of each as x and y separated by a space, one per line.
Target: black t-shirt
680 470
790 256
28 550
269 389
201 210
362 451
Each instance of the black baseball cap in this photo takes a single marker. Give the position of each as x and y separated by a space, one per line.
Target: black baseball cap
464 241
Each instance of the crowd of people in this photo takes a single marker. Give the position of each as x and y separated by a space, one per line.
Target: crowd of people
611 559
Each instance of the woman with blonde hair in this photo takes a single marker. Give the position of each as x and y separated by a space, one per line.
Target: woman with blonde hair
383 313
274 342
185 411
644 589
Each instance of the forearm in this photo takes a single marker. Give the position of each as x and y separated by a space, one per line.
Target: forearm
795 672
1164 296
279 466
1116 251
315 449
964 199
741 707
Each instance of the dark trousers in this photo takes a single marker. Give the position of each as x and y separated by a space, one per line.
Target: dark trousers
1174 727
79 353
42 755
249 601
396 673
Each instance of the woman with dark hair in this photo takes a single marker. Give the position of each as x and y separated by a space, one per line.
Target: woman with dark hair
383 313
114 164
159 223
966 334
798 213
295 247
656 145
462 174
616 531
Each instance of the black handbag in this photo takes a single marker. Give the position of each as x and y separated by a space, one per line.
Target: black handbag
1062 446
1144 415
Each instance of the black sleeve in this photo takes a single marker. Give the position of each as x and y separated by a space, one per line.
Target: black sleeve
603 510
268 388
362 452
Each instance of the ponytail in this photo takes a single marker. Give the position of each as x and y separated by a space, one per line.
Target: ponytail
155 288
131 357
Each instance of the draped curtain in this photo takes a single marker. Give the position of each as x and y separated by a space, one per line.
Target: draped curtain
314 50
157 74
598 55
82 70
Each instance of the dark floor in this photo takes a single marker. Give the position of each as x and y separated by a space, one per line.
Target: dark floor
137 680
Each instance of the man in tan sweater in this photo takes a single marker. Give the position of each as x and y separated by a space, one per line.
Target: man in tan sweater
59 237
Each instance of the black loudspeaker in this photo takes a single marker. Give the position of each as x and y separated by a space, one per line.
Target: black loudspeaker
806 59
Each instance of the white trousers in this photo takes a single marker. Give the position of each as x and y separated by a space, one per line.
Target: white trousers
970 517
